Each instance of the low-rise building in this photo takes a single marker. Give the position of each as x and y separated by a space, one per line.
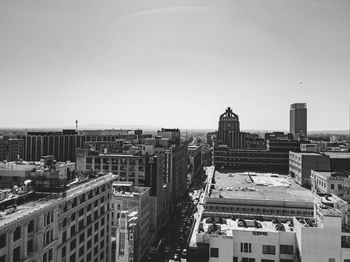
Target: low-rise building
323 237
301 164
337 183
257 194
339 161
250 160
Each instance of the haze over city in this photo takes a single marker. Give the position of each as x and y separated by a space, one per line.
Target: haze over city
173 63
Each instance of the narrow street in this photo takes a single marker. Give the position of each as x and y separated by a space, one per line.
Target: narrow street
174 244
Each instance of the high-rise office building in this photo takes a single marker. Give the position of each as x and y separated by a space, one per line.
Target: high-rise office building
298 121
229 132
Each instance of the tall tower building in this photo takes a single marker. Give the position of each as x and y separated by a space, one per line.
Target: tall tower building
229 132
298 121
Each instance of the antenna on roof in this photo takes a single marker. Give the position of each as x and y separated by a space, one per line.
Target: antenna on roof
76 125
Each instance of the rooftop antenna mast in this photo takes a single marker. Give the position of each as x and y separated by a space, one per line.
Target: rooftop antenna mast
76 125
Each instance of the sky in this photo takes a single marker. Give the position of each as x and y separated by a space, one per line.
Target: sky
174 63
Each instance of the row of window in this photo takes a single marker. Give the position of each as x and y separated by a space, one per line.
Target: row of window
266 249
16 234
259 210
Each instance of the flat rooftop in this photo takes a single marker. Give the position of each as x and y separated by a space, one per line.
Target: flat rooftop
259 186
36 203
329 174
227 226
342 155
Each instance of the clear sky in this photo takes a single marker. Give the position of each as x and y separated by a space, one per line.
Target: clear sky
174 63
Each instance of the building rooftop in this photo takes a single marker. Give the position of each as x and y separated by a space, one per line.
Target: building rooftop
330 174
34 203
226 226
343 155
259 186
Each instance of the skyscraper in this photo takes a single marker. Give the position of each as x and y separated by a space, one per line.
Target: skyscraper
229 132
298 121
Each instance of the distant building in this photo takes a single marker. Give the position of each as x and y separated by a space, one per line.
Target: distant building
63 144
195 166
298 121
301 164
282 145
309 148
11 148
229 131
211 138
339 161
130 221
250 160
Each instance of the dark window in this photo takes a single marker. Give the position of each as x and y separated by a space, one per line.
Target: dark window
246 247
214 252
73 244
286 249
31 226
63 251
248 259
72 230
3 240
89 244
89 231
72 258
81 237
81 212
3 258
30 246
269 249
17 234
267 260
64 236
50 254
17 254
81 251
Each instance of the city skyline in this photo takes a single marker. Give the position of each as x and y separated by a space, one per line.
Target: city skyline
173 63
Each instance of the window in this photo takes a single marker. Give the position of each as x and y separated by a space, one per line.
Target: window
81 251
268 249
267 260
235 259
17 234
64 236
3 258
72 258
332 186
286 249
3 240
17 254
81 237
30 246
50 254
246 247
331 260
72 230
63 251
214 252
286 260
31 226
248 259
73 244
